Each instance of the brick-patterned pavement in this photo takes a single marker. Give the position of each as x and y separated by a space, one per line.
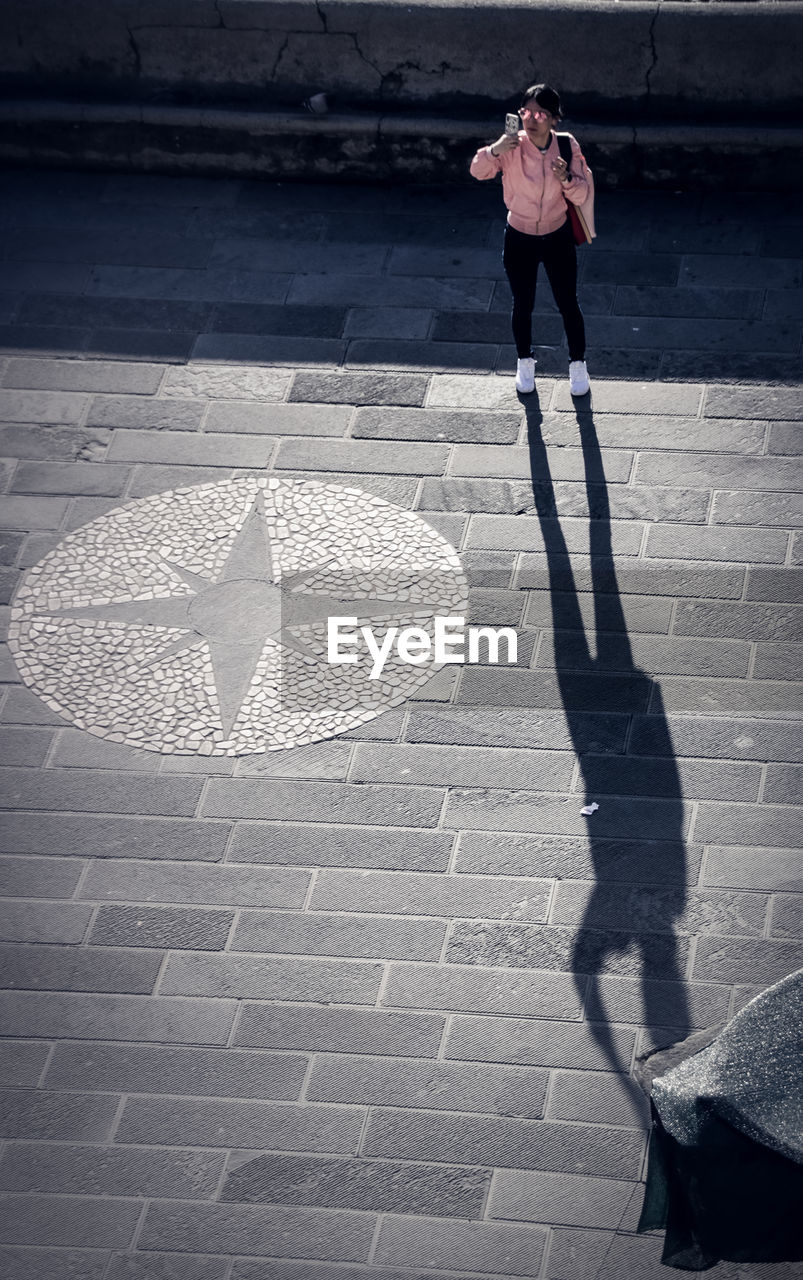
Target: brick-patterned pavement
366 1008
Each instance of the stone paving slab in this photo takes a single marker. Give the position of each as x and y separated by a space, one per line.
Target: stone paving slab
368 1007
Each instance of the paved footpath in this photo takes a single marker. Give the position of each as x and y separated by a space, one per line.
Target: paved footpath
367 1007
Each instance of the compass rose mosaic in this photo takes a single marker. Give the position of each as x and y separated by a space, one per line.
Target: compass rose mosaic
196 621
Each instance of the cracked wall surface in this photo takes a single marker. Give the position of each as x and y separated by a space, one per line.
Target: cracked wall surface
639 61
653 51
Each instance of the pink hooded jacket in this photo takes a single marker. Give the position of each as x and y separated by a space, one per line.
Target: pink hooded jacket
533 194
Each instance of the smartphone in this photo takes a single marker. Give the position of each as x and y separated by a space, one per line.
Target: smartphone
512 124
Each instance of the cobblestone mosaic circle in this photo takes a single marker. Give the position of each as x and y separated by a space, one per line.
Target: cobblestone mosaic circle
196 621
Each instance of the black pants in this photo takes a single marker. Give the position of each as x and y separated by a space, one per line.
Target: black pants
520 257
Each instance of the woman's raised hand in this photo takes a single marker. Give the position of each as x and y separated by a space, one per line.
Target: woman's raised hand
507 142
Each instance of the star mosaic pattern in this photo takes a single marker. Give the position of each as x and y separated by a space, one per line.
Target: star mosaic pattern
196 621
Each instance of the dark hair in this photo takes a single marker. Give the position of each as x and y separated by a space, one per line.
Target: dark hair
545 96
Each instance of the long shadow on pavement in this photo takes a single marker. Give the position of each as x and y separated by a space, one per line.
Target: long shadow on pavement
636 840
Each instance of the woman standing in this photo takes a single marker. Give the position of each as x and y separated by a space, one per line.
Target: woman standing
536 184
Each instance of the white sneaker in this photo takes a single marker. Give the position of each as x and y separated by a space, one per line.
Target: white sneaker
525 374
579 384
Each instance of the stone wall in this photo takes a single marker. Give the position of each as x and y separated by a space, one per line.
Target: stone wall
671 92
